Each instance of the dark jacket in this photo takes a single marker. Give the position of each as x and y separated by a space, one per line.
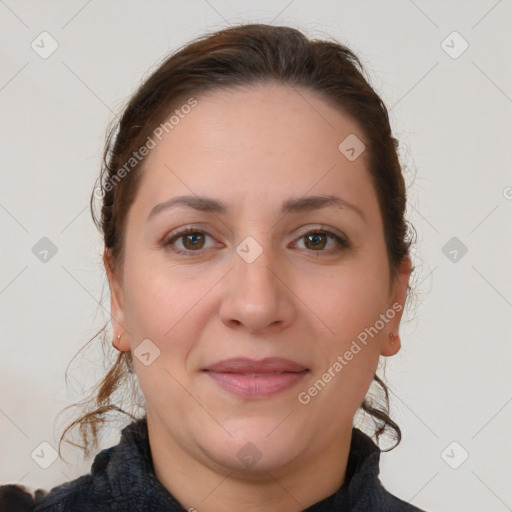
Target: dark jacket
122 480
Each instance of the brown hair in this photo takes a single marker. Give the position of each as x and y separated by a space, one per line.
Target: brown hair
237 57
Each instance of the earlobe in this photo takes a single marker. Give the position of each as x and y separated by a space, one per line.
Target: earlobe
119 341
392 343
391 346
119 344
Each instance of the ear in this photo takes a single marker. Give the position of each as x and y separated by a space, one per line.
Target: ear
391 344
117 312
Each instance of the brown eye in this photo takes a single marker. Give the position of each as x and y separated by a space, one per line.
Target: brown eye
193 241
316 241
322 241
188 242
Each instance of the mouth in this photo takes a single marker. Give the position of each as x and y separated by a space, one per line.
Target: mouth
249 378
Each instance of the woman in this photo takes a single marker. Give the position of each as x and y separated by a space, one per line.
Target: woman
258 262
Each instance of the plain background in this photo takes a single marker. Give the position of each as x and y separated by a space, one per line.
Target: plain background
451 380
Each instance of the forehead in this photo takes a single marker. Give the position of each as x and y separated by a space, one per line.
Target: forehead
282 121
257 144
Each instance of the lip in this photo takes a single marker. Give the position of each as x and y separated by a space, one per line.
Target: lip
250 378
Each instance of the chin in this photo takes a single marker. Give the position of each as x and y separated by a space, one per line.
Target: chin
258 445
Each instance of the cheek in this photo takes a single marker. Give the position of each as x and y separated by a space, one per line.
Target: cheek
351 300
351 306
150 305
158 297
170 306
159 306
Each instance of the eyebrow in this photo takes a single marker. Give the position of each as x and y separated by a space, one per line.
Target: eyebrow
294 205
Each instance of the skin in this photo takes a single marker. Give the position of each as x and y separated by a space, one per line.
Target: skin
254 148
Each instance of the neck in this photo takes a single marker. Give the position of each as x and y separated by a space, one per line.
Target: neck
203 485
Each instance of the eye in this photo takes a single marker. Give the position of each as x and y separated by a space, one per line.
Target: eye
318 240
191 240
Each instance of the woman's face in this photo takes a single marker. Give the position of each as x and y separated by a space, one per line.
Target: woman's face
264 324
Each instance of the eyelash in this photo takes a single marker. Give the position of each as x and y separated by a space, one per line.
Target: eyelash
169 241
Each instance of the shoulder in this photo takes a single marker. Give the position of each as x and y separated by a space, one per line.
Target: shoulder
119 477
363 488
397 505
16 497
75 495
81 494
91 492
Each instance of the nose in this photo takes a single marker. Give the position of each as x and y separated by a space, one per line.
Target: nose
256 297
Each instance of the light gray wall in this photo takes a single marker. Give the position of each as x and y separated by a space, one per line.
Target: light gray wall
451 380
